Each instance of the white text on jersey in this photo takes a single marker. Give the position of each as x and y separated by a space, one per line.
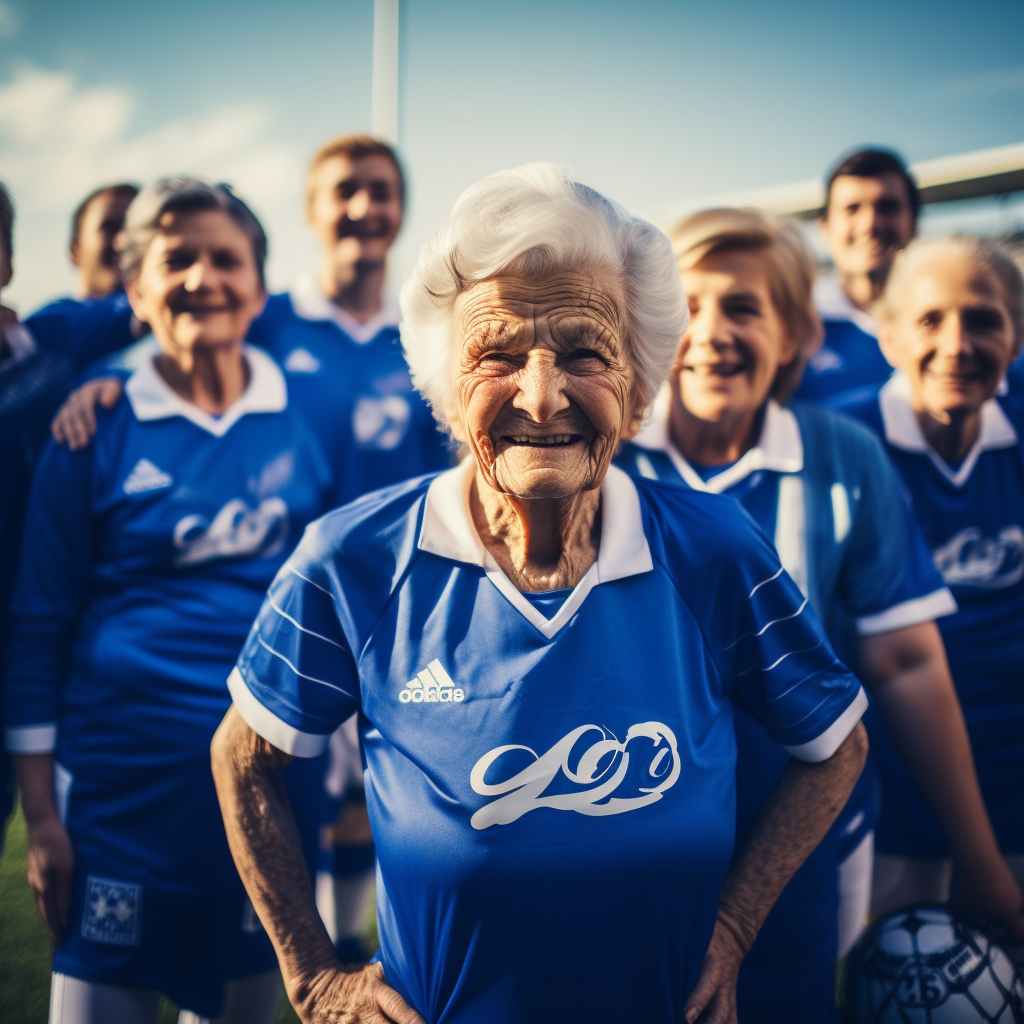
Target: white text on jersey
432 686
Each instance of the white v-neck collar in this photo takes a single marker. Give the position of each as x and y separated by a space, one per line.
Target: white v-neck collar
832 303
448 531
779 448
152 398
311 304
903 431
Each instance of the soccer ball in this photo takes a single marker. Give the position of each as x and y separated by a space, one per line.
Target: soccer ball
922 965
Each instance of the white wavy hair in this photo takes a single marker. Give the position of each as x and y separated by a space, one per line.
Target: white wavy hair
532 221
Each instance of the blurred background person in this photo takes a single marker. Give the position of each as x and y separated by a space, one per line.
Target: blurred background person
824 490
95 225
871 210
952 321
145 558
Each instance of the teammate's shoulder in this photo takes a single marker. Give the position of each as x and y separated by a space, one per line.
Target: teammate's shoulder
863 405
847 424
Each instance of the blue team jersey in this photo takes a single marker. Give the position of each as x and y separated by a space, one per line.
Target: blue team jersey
352 382
145 559
822 488
972 517
543 782
83 330
849 363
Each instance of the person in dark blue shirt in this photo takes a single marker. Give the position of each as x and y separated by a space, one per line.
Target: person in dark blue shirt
544 656
952 321
871 209
822 488
145 557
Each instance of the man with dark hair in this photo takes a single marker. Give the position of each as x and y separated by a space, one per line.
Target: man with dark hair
871 208
95 225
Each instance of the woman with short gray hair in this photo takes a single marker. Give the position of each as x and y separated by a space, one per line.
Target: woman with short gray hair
544 655
145 557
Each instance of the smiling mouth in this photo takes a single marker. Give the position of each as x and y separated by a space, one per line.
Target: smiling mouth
716 369
551 441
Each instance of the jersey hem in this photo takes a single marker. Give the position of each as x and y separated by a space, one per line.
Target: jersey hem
31 739
822 747
908 613
273 729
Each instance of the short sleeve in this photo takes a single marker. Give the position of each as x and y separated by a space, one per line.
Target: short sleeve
888 580
776 658
296 679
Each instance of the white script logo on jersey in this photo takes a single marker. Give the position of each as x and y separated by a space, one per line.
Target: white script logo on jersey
146 477
432 686
236 530
970 559
301 360
600 769
381 422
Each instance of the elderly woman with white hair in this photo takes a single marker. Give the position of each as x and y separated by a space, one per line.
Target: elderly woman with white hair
544 655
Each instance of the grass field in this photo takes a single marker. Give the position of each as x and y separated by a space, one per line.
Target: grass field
25 948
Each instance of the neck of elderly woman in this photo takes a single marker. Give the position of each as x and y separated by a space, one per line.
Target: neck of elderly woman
539 543
211 377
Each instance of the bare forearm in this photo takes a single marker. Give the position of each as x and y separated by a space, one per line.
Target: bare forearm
35 782
796 817
268 854
910 681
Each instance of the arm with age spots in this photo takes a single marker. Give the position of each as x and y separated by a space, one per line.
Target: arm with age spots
908 676
794 820
265 845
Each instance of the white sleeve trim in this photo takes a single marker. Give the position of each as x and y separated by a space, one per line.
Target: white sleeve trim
262 720
31 739
908 613
822 747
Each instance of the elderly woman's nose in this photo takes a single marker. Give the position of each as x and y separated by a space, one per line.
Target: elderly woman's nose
197 275
954 337
540 387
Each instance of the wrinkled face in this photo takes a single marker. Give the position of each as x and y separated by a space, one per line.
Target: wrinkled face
198 284
951 335
544 389
355 207
93 251
867 222
735 341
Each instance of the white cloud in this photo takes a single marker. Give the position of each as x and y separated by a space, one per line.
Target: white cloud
60 139
10 20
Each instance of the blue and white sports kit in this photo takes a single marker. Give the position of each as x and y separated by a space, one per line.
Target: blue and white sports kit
823 489
83 330
849 365
146 557
551 792
972 517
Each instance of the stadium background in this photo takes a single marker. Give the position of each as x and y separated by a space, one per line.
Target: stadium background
656 103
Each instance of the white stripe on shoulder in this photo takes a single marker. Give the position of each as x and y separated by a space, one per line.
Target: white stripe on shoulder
298 625
822 747
295 572
262 720
763 582
301 675
908 613
774 622
31 739
779 661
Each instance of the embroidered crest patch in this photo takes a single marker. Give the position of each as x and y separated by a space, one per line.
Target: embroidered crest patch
113 911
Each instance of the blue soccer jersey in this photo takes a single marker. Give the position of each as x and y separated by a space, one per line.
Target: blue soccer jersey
849 363
352 382
543 784
83 330
972 517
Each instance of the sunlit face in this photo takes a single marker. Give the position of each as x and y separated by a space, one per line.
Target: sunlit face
544 388
94 251
199 283
951 335
355 207
867 222
735 341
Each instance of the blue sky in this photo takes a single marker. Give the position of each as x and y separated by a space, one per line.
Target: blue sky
655 103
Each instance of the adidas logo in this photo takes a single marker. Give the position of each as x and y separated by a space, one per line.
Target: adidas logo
146 477
301 360
432 686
